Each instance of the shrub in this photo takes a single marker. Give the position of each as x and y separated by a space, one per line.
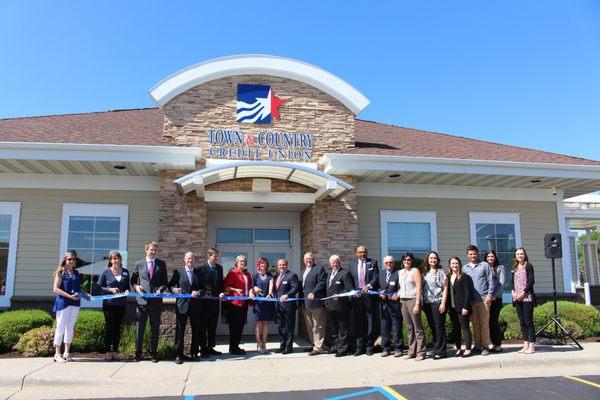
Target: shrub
165 349
37 342
13 324
586 317
89 332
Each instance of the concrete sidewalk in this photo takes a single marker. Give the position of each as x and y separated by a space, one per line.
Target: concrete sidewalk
29 378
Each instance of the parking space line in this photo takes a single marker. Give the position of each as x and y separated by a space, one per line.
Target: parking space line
353 394
386 390
583 381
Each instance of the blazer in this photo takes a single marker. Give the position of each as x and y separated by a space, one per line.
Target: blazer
290 285
235 279
392 286
342 282
158 282
315 283
107 280
372 273
462 290
530 281
180 280
213 283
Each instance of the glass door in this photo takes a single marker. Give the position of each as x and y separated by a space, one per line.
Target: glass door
9 227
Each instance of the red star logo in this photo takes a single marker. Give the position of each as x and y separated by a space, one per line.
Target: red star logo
275 104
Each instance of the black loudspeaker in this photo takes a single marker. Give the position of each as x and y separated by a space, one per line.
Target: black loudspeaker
553 245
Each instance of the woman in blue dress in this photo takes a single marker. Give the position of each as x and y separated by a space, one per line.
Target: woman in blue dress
263 311
67 287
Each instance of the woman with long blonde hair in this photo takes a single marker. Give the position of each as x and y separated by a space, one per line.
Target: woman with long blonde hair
67 287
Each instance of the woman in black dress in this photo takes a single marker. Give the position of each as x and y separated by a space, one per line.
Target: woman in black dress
263 311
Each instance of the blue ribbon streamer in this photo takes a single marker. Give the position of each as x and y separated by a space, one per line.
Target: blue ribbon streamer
224 298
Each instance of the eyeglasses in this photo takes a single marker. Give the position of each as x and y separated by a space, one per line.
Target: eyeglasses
70 259
388 262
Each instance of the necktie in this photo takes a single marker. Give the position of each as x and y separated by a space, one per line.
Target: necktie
279 280
387 277
332 276
361 273
150 268
189 274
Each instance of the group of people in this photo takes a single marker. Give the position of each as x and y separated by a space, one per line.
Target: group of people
382 301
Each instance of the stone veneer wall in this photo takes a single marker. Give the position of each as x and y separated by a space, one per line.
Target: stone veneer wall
212 105
331 227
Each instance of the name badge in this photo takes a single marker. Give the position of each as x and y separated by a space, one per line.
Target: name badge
392 283
371 269
284 283
124 274
338 282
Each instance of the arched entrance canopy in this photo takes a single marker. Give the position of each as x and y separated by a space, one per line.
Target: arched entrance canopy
324 184
281 67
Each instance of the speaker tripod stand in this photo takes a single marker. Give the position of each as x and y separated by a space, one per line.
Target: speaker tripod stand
560 333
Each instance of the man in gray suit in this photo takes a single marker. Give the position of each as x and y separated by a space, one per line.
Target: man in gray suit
149 276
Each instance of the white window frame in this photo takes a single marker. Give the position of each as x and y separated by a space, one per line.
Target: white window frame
387 216
95 210
14 210
496 218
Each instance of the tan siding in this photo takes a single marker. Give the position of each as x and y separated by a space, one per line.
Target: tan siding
40 224
536 218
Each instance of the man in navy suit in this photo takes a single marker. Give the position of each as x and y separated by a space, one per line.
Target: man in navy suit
389 308
365 273
287 286
212 274
149 276
187 280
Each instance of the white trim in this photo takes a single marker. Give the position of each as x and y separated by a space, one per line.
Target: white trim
368 189
335 163
96 210
582 214
386 216
494 218
249 64
252 197
566 249
181 157
14 210
83 182
574 235
214 162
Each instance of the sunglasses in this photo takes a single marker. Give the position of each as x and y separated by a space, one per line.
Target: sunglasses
70 259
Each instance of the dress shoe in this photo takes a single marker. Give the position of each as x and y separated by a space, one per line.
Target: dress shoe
290 351
154 359
342 354
314 353
193 358
279 350
214 352
204 354
438 357
485 352
369 352
398 353
358 353
237 352
178 360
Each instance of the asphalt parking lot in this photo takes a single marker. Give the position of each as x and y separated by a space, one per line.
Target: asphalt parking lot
572 387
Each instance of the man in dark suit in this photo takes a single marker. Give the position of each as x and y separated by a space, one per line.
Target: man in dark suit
187 280
365 273
313 284
287 286
149 276
390 309
338 309
212 277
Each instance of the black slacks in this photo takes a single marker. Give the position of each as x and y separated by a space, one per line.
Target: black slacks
142 312
495 332
287 324
113 321
208 324
339 320
391 325
366 321
237 319
460 323
182 318
525 314
437 324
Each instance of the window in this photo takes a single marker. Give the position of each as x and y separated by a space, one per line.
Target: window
252 236
9 228
496 231
408 231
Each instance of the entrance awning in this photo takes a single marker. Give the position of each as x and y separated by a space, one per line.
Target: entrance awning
324 184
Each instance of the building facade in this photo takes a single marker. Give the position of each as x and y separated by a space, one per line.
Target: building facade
265 156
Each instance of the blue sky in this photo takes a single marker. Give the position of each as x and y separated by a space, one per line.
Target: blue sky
523 72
